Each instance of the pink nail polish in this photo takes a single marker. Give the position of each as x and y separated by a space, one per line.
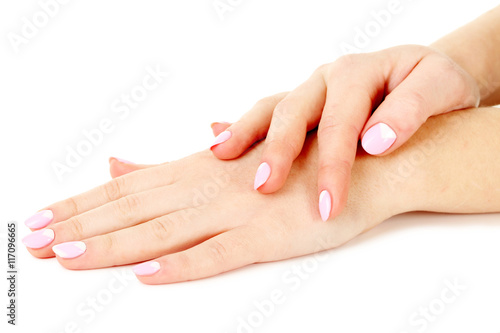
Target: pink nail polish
122 160
222 137
378 139
262 175
38 239
70 250
40 219
147 268
325 205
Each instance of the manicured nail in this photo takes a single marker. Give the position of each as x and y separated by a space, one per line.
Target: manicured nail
147 268
222 137
40 219
378 139
122 160
325 204
262 175
38 239
70 250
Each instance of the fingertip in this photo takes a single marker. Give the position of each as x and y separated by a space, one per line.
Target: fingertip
154 272
325 205
119 167
147 268
333 181
121 160
219 127
221 138
228 145
270 177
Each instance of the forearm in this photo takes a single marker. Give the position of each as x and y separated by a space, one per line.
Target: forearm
476 47
452 164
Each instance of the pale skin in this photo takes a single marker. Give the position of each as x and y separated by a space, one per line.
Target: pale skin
403 86
198 217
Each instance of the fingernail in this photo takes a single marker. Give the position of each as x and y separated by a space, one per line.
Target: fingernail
40 219
70 250
325 204
122 160
378 139
147 268
262 175
38 239
222 137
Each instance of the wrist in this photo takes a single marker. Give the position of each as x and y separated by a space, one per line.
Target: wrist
475 47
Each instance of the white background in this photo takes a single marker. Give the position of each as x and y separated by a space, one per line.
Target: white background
65 79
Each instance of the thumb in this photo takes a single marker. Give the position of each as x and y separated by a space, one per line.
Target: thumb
119 167
432 88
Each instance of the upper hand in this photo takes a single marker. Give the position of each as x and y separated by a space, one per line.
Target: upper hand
403 85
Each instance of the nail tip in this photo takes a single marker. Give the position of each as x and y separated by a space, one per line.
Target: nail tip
325 205
121 160
262 175
70 250
378 139
39 238
40 219
221 138
146 268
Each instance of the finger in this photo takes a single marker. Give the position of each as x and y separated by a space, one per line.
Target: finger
119 167
434 86
251 128
122 213
218 128
134 182
166 234
227 251
297 113
353 88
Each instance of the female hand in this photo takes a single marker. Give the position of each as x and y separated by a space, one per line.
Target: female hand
405 85
196 217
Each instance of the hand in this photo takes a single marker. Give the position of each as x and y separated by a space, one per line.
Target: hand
196 217
404 85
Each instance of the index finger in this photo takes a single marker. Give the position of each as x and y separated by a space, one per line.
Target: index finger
352 90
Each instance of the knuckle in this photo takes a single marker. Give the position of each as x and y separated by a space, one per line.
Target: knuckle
108 242
416 112
348 60
336 166
126 206
282 107
76 227
218 252
329 127
419 108
266 102
185 264
323 68
159 228
114 189
283 147
72 204
287 115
